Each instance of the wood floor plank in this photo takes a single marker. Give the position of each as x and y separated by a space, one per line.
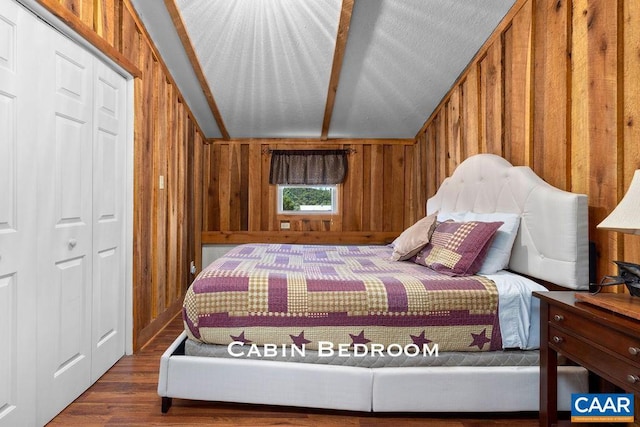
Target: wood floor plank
127 396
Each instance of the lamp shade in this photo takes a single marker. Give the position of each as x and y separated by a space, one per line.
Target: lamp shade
625 218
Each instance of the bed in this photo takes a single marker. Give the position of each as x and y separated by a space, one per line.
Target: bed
293 342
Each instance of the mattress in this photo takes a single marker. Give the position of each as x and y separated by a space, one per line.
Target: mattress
362 360
347 296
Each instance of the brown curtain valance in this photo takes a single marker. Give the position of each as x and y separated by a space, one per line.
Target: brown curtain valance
308 166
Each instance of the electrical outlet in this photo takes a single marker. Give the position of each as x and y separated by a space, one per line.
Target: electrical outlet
285 225
192 268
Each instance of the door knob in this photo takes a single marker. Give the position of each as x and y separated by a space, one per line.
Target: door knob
72 243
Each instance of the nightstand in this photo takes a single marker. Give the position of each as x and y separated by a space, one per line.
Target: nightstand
603 340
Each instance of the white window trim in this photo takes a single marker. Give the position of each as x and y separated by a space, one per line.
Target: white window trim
334 200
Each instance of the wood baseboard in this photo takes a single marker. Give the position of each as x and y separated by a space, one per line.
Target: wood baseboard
144 336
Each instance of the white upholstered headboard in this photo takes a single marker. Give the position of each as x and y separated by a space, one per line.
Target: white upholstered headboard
552 243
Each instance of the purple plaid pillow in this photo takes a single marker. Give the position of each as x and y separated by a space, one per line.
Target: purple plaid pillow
458 248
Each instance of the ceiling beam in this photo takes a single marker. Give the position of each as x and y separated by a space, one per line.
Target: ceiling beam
176 17
338 56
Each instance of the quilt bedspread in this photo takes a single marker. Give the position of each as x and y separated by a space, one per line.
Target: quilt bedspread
310 295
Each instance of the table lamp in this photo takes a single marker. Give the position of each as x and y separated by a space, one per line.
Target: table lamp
625 218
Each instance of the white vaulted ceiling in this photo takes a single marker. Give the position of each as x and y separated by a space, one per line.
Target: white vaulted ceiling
263 68
268 62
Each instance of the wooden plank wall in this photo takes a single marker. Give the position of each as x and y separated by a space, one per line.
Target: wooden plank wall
380 197
168 143
556 88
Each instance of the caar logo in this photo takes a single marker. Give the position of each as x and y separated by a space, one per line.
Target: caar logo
604 408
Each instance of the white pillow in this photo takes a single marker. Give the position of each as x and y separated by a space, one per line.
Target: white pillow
500 250
456 216
413 238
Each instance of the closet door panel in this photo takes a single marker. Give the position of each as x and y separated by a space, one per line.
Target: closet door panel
17 221
62 218
64 225
109 190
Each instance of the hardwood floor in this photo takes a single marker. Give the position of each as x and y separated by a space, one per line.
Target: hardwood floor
126 396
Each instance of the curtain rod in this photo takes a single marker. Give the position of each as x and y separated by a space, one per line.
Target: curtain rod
267 150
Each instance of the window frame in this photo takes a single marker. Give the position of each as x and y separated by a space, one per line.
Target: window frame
335 188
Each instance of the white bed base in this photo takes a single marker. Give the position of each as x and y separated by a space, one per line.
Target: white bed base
427 389
552 245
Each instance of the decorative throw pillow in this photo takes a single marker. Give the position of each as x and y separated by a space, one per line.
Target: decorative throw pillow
458 248
413 238
499 252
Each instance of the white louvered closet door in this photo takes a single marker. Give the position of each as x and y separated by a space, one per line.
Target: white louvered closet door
65 218
17 220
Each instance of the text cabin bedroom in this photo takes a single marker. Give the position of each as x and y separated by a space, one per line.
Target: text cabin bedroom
366 209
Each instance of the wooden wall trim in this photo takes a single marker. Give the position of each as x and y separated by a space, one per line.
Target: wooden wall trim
145 335
325 237
90 35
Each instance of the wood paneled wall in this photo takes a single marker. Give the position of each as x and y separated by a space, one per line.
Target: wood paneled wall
379 198
167 143
555 88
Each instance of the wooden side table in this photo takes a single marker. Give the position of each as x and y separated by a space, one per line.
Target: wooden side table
602 336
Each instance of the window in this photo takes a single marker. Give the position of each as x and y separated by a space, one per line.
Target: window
307 199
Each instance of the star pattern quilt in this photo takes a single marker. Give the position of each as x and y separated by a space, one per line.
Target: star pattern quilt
303 295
